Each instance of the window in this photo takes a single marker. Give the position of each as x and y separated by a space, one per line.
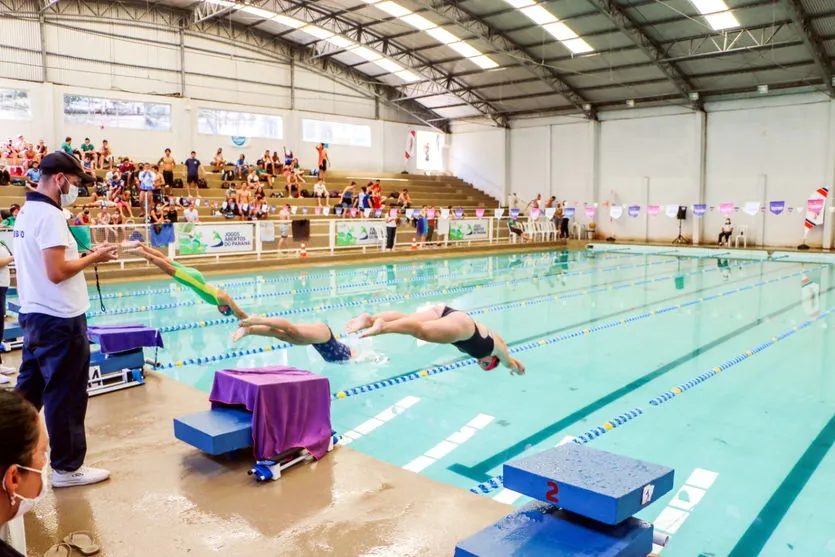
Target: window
336 133
239 124
116 113
15 105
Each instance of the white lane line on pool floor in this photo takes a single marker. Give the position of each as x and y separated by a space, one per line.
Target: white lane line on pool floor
682 504
508 496
449 444
386 415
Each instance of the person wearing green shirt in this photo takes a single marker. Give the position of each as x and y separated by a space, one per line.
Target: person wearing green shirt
66 146
12 218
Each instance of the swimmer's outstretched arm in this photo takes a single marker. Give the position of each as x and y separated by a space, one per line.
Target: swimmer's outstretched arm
501 351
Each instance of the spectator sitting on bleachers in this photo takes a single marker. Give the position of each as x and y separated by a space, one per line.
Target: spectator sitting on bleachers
241 168
83 218
404 200
89 164
67 147
5 176
87 148
264 175
9 221
33 176
105 155
41 150
190 214
218 162
320 192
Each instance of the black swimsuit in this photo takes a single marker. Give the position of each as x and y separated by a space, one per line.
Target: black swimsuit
476 346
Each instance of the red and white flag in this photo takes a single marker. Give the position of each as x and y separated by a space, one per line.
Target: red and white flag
411 141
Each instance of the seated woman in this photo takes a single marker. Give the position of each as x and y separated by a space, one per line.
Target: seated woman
319 335
441 324
516 228
218 162
725 234
190 278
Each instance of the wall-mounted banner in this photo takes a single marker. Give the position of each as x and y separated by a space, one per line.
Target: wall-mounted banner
653 210
776 207
469 229
569 212
814 208
207 238
726 208
589 210
359 233
239 141
615 211
671 211
751 208
699 209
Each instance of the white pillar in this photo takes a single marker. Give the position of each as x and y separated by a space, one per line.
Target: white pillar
830 181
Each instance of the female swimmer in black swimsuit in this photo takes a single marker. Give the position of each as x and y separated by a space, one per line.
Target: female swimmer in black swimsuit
442 325
317 334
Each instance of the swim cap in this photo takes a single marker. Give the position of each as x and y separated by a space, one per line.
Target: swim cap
227 311
492 364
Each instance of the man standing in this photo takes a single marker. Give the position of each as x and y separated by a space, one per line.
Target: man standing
167 163
53 298
193 170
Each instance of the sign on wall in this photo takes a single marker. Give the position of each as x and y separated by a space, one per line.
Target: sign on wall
359 233
197 239
470 229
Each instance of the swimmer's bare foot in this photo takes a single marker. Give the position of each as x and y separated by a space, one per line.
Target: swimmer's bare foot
358 323
375 329
239 334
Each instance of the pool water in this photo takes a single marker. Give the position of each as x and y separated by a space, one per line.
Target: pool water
602 339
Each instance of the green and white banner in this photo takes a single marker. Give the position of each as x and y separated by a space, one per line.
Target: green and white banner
470 229
196 239
360 233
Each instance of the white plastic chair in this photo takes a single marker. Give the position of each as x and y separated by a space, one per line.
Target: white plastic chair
741 232
530 230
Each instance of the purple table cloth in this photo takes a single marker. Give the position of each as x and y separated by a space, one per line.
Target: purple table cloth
120 338
291 408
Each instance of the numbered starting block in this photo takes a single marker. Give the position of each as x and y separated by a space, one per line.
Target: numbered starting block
282 414
585 502
12 332
119 361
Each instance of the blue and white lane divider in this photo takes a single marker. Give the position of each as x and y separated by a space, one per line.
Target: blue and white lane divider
559 338
533 301
187 303
341 275
496 482
397 297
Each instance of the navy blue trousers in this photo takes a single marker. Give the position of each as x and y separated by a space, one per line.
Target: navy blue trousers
53 376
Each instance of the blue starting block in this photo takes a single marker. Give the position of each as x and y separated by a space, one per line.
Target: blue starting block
216 431
541 529
119 361
13 336
12 306
586 499
602 486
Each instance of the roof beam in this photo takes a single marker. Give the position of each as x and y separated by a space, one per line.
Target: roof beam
616 14
499 42
811 41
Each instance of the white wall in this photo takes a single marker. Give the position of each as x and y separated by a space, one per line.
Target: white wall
388 139
477 155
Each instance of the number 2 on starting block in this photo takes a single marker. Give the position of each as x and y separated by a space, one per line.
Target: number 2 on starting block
646 498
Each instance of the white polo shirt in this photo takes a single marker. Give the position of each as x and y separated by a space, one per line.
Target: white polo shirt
41 224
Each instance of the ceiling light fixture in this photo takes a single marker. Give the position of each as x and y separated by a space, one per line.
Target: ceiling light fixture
550 23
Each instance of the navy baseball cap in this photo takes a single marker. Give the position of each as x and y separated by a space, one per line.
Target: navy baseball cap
60 162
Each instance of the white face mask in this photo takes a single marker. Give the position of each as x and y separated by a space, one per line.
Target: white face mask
27 504
69 197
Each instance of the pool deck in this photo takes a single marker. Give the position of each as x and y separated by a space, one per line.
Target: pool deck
166 499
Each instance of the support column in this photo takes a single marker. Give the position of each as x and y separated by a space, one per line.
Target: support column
182 63
762 185
41 31
594 147
506 166
548 161
292 82
701 174
829 216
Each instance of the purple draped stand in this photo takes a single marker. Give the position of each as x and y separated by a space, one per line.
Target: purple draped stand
291 408
122 338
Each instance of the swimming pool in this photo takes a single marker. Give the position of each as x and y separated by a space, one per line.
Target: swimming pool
630 341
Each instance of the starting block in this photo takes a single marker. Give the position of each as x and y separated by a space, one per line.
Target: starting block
119 362
12 336
277 442
586 502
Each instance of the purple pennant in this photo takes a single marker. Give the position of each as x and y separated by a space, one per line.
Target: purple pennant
460 213
339 211
699 209
304 210
634 211
378 212
776 207
568 212
514 213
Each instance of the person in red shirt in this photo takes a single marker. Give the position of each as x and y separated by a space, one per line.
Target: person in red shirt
376 194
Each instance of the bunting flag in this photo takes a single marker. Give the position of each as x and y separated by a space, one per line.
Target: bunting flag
534 214
409 213
549 212
411 142
339 211
293 210
569 212
514 213
445 213
699 209
615 211
776 207
273 209
814 208
726 208
751 208
479 212
393 213
589 211
430 213
498 213
653 210
378 213
326 211
366 212
354 211
459 213
304 210
671 211
634 211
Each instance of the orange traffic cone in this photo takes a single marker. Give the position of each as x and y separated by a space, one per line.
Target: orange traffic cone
414 243
302 251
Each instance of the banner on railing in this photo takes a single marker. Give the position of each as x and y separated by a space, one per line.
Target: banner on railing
359 233
470 229
198 239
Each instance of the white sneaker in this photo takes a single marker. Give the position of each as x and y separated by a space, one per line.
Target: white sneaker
6 370
83 476
4 380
